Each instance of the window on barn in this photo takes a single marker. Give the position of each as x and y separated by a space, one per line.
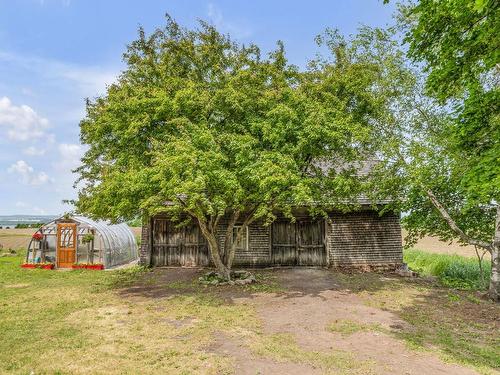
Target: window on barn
243 242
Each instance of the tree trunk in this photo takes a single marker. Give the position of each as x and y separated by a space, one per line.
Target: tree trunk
494 291
215 254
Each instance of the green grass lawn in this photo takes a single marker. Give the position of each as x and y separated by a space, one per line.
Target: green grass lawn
81 322
75 322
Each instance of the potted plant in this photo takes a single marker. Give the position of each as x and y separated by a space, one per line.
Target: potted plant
78 266
88 238
28 265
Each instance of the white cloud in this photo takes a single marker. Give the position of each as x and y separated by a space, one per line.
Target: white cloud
33 151
238 30
69 156
39 210
27 207
27 174
21 123
90 80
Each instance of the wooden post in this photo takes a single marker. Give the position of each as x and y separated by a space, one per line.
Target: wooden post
42 246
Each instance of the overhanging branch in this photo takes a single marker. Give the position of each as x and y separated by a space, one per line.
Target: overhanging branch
464 237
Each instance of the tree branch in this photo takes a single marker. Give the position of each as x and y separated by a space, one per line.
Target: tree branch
464 237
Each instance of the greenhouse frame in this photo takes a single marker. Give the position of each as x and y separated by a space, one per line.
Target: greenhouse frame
70 241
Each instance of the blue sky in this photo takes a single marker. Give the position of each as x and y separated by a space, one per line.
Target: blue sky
56 53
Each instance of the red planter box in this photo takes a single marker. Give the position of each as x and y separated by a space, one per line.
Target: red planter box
88 266
39 266
95 266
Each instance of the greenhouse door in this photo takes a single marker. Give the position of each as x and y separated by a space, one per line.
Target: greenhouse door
66 244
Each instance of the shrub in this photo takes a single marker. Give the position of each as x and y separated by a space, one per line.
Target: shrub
452 270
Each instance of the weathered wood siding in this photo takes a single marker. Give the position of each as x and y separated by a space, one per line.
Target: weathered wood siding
364 238
360 238
177 246
302 243
145 249
259 250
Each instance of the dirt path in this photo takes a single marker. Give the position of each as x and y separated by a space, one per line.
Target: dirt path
307 309
299 318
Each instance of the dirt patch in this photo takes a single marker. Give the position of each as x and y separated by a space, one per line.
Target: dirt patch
307 312
434 245
307 309
246 363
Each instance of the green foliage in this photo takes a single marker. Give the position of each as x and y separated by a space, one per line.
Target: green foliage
209 125
458 40
137 222
452 270
448 144
88 238
458 43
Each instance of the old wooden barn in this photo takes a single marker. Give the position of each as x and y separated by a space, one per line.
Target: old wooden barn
358 238
364 237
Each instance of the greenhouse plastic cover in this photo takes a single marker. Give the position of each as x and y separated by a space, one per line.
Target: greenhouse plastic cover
117 239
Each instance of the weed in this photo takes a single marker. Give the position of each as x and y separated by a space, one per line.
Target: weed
347 327
452 270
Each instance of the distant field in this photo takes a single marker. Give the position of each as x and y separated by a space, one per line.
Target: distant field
19 238
15 238
433 245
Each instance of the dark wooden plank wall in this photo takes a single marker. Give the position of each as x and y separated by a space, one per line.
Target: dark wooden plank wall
284 243
364 238
311 243
301 243
361 238
173 246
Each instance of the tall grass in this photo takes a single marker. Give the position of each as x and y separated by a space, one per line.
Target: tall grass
452 270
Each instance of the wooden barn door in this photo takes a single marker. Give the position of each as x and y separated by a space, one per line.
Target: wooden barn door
66 244
174 246
284 244
194 249
311 243
298 244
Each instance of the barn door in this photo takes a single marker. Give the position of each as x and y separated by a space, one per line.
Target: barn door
310 243
298 244
194 249
166 244
284 248
174 246
66 244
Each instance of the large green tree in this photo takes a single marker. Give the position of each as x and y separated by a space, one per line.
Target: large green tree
454 159
205 129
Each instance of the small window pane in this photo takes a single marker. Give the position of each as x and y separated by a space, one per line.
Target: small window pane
242 243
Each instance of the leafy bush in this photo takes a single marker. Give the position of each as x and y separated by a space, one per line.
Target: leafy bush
452 270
